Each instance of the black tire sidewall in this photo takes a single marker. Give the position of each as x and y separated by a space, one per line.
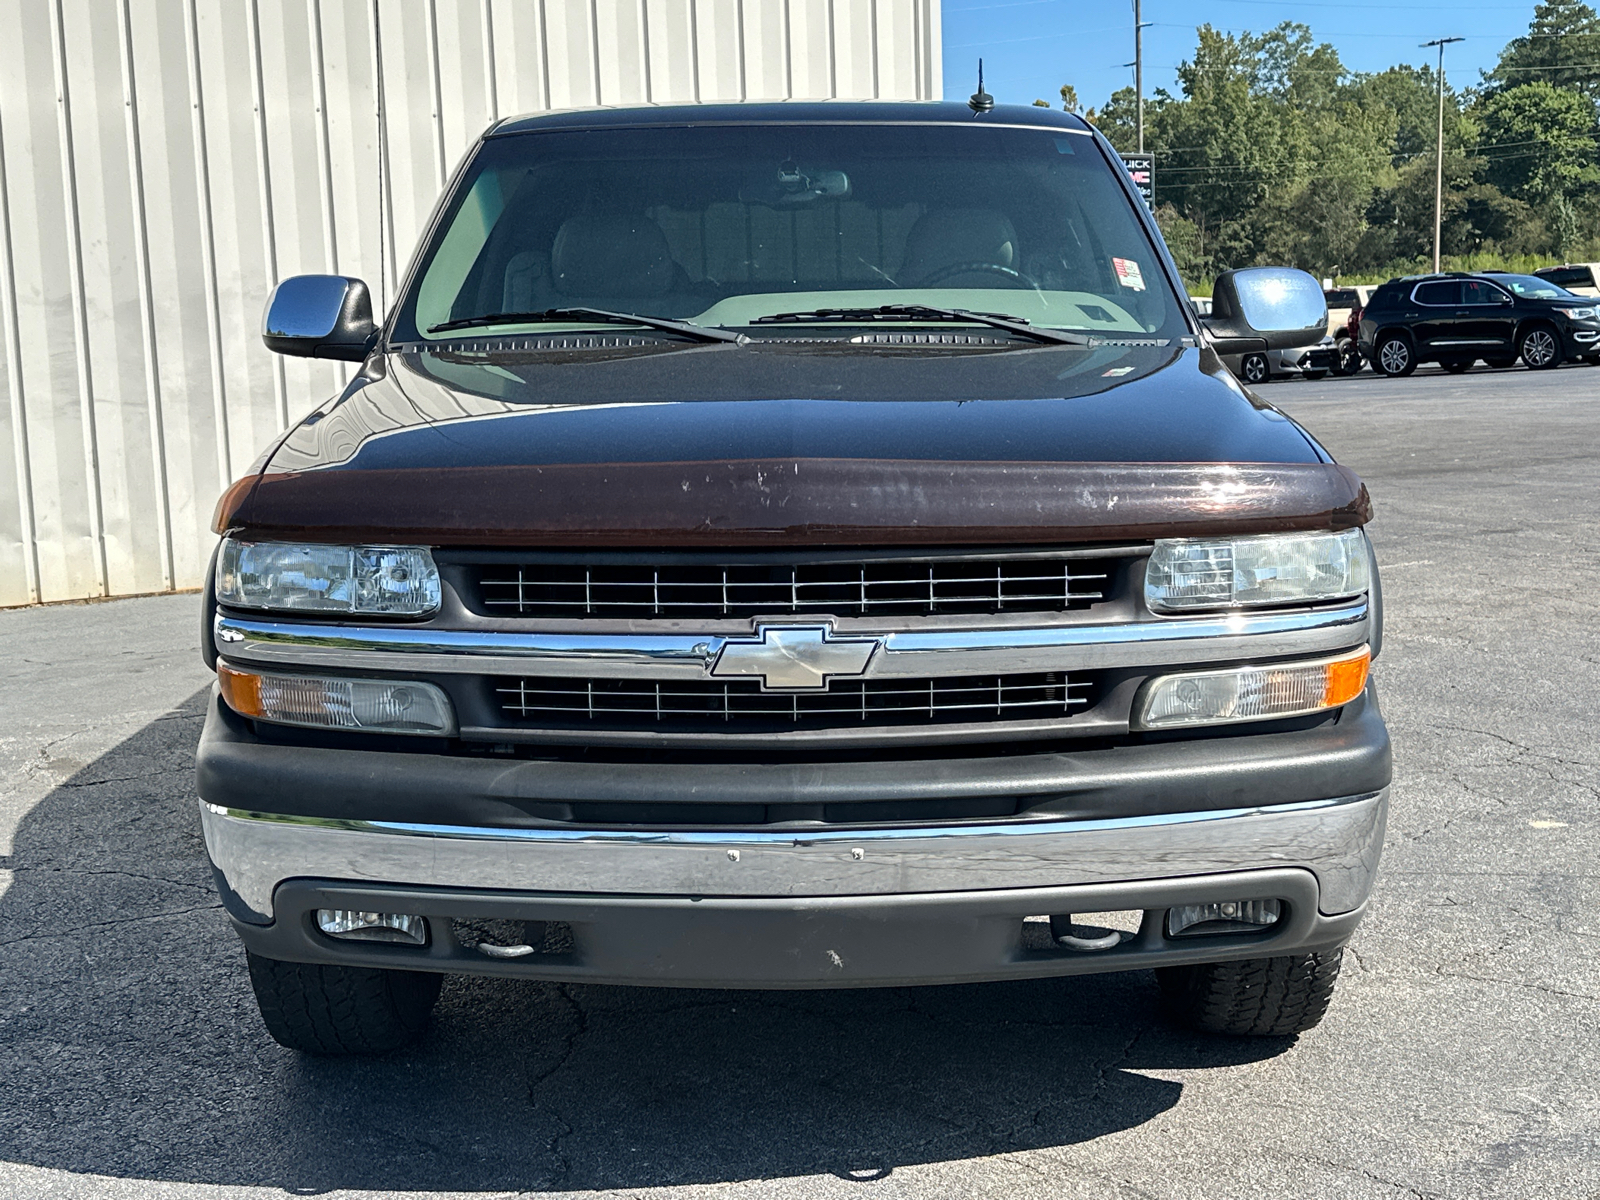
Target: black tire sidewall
1377 356
1527 336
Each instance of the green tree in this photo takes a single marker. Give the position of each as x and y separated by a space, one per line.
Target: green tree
1561 48
1539 141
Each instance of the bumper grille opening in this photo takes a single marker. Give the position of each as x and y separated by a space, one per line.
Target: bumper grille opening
883 587
716 705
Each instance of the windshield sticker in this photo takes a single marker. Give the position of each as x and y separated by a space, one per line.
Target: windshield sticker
1116 372
1128 274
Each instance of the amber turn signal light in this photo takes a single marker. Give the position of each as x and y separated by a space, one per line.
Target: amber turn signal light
1253 693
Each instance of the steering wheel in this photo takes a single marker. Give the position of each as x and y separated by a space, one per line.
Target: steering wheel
986 268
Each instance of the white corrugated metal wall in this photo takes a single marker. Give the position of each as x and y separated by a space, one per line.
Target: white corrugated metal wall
164 162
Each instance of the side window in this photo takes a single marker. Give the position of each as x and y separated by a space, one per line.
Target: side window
1476 291
1444 293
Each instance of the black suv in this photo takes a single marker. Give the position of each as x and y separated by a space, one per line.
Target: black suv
1456 319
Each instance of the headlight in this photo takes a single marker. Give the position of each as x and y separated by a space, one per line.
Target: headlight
397 581
1188 573
372 705
1576 314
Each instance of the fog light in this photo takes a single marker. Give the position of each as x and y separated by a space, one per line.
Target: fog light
373 927
373 705
1226 916
1251 693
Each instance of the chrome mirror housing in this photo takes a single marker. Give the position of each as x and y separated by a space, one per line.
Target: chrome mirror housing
1265 308
320 316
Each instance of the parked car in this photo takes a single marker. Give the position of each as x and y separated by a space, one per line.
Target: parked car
1456 319
1581 279
1344 307
1263 366
791 546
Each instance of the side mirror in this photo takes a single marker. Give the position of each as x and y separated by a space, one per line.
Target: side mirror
320 316
1265 308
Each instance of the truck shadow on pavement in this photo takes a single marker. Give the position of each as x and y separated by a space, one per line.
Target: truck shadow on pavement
130 1045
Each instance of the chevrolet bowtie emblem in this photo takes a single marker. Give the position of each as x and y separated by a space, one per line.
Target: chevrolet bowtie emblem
792 658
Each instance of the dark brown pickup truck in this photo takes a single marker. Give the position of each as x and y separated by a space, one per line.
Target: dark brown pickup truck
795 545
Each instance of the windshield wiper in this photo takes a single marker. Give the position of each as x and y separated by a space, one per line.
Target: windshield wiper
924 312
700 333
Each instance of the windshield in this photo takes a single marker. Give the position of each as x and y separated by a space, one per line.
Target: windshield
722 226
1532 287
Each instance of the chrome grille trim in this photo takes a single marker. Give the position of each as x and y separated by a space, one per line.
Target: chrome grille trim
864 588
734 704
1169 641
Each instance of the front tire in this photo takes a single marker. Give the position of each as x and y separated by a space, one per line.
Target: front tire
1349 358
329 1010
1259 997
1540 349
1393 356
1255 369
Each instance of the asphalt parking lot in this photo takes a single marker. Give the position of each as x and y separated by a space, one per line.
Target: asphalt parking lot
1460 1058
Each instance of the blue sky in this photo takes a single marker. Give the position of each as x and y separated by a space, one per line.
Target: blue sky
1031 47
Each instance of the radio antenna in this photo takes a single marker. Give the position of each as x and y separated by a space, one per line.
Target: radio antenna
980 101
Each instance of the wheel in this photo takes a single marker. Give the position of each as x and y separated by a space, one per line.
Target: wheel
1314 375
1254 369
1539 349
1349 358
1457 366
979 268
320 1009
1393 356
1260 997
1500 363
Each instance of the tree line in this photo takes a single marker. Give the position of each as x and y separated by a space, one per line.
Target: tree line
1275 152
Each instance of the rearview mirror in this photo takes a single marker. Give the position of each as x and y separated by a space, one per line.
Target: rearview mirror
320 316
1265 308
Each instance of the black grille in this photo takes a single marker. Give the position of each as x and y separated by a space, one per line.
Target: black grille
717 706
889 587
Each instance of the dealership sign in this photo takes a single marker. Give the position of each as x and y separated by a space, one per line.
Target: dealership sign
1142 169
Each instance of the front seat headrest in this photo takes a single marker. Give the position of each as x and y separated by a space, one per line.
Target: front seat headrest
948 236
599 254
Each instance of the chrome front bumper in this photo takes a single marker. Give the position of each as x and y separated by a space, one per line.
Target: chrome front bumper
1338 840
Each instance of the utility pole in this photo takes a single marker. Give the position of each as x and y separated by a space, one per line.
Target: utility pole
1138 73
1438 164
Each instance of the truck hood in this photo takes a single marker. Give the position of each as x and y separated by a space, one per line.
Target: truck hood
804 443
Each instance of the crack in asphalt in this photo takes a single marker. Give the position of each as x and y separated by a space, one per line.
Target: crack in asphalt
74 929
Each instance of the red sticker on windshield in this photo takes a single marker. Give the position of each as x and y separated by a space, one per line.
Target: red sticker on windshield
1128 274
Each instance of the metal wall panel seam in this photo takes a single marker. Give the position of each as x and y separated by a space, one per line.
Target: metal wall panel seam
833 52
264 176
436 93
594 47
694 48
744 54
19 410
141 262
933 32
319 78
877 89
491 80
80 313
644 31
544 54
386 253
208 248
788 51
917 49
